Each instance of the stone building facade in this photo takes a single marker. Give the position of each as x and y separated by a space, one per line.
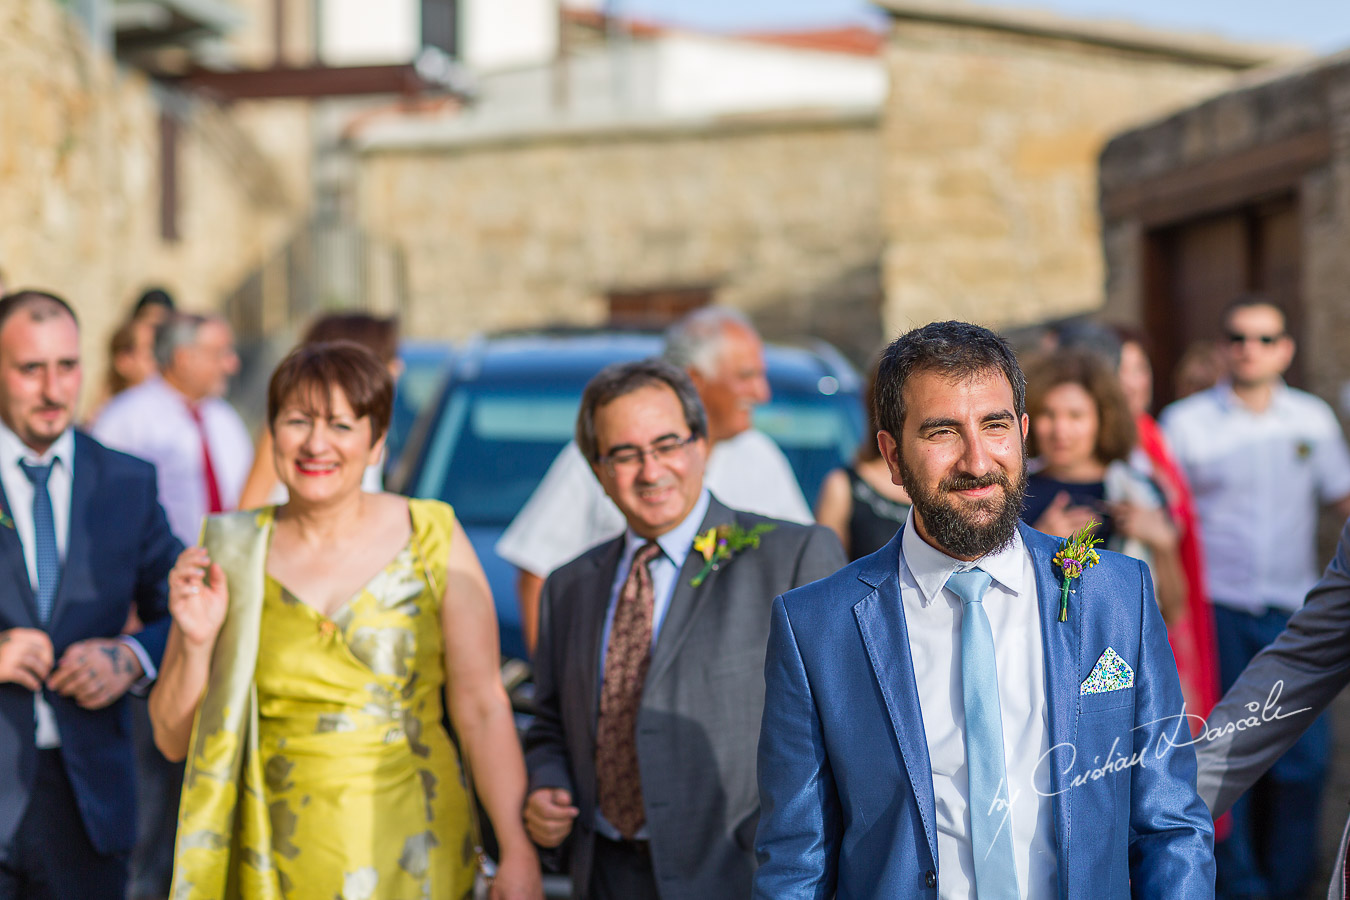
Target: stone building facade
776 215
80 211
991 136
1246 191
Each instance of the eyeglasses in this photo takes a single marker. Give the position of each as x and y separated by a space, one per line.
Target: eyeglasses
630 459
1236 338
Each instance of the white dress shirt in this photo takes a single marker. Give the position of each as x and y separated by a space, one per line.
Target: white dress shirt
19 494
933 618
152 421
1258 479
568 513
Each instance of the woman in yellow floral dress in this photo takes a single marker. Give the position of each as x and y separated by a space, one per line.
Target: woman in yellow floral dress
304 673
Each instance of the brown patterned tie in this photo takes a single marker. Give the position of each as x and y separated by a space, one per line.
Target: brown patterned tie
627 657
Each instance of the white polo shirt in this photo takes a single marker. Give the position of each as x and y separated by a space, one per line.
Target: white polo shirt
1258 480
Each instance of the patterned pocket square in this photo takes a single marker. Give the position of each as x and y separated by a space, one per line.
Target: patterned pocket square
1109 674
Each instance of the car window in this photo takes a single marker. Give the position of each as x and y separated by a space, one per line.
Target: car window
491 449
816 434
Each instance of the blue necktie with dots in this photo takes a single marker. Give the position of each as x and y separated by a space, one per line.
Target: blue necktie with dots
989 802
44 539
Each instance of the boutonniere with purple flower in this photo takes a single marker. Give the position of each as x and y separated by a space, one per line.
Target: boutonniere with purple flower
720 544
1075 557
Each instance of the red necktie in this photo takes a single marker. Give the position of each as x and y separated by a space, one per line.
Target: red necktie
626 660
213 504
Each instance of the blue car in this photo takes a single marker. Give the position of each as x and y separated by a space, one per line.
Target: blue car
509 404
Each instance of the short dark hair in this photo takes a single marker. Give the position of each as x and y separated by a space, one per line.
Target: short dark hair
314 370
954 349
155 296
377 334
1247 301
41 305
1116 433
620 379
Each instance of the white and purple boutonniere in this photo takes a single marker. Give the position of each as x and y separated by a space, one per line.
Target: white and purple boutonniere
1074 558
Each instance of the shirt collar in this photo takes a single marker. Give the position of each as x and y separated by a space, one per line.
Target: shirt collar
1228 398
931 567
13 449
678 541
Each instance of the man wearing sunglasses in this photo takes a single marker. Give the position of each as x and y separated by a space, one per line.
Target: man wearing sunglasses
1261 458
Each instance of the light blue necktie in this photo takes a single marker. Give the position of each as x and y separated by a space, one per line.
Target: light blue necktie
990 815
44 539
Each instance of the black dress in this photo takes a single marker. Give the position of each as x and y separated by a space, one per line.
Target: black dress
874 519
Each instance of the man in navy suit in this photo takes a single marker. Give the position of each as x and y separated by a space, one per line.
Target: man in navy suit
932 728
82 538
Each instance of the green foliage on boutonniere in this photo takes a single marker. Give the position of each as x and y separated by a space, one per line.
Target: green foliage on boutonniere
717 545
1074 558
6 521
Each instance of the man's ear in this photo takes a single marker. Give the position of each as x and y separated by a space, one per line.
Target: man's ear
1026 424
890 451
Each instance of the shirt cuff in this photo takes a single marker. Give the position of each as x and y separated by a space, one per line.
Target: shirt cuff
142 686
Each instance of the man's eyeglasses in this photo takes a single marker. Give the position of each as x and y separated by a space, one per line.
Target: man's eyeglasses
1265 340
633 458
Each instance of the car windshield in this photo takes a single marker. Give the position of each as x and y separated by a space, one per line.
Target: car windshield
492 446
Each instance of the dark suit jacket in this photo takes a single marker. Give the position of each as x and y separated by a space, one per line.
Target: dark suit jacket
844 769
1281 692
119 552
701 706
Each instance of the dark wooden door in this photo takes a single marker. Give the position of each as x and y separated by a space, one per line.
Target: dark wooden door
1194 268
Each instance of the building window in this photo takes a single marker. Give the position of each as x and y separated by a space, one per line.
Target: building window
440 25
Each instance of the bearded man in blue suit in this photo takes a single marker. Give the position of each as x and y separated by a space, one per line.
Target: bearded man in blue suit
940 721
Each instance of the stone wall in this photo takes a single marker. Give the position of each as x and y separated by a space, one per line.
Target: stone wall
780 215
991 134
80 163
1290 130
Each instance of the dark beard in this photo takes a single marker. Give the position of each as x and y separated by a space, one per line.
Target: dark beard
968 532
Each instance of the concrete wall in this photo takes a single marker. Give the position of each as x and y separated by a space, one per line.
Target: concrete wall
991 141
782 216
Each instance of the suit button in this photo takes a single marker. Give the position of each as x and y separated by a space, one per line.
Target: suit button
930 878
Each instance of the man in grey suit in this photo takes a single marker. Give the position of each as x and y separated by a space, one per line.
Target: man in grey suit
1280 693
649 668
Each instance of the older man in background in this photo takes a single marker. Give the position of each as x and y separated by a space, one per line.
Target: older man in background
202 453
568 512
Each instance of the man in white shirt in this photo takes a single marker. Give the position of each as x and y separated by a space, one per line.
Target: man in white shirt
179 422
1261 458
569 513
82 539
202 454
957 715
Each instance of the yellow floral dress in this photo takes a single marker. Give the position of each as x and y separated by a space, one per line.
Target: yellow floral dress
362 796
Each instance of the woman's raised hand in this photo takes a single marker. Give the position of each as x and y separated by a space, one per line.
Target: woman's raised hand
198 597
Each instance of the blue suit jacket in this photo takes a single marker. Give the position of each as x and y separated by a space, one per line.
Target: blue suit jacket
845 781
119 552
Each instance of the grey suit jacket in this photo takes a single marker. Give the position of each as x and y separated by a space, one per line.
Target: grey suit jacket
698 725
1284 688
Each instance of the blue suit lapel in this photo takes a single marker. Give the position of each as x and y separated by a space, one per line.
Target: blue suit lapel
21 603
1062 646
75 571
881 621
